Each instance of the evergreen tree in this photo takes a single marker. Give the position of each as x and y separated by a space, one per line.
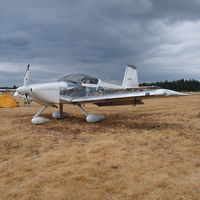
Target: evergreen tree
177 85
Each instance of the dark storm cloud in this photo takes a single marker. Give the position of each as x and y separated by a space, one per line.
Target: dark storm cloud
178 10
99 38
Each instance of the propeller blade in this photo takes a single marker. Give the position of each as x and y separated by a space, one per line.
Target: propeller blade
26 77
16 94
26 95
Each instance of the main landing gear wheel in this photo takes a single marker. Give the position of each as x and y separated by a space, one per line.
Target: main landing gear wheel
60 114
92 118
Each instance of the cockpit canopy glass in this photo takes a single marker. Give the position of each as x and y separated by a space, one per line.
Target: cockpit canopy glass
79 79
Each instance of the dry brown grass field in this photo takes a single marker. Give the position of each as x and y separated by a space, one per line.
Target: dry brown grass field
148 152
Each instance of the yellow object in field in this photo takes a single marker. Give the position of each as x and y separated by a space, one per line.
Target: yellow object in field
7 101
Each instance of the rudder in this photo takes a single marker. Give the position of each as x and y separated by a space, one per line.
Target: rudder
130 77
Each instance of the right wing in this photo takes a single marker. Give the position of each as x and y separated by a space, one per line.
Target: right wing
122 98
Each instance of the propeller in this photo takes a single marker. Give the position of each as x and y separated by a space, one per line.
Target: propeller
23 90
16 94
26 82
26 95
26 77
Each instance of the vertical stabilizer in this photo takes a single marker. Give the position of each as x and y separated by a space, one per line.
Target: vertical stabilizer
130 77
26 77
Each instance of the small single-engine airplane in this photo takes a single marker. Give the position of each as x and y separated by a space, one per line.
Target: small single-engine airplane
79 89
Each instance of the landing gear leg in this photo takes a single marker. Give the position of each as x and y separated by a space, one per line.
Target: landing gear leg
90 117
82 109
37 119
61 108
60 114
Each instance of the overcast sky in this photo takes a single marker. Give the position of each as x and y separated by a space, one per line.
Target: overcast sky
99 37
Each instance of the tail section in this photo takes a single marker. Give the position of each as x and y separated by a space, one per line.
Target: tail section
130 77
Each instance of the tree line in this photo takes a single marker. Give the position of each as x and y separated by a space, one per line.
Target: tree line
177 85
13 87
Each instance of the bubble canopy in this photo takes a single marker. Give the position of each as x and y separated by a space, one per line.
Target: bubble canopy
79 79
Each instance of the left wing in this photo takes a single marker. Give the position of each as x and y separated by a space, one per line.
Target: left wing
102 100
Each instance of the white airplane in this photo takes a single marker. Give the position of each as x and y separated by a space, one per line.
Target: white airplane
79 89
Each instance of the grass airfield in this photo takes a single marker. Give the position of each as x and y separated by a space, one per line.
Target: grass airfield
147 152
